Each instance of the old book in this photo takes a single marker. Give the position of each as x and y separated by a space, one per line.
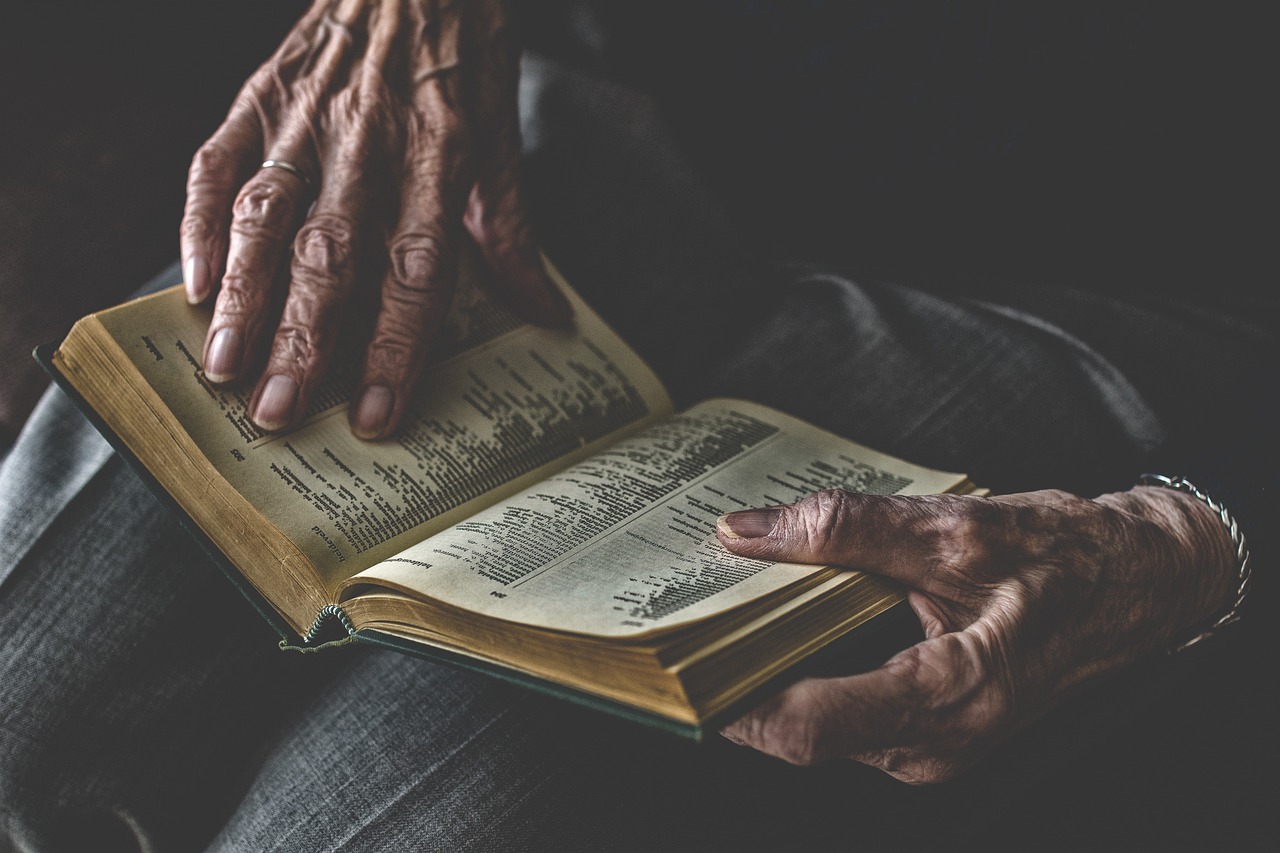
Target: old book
543 514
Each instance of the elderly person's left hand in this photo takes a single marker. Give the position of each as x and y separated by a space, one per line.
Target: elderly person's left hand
1023 599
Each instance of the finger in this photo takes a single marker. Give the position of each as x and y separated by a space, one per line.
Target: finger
321 278
497 216
265 216
218 170
231 156
905 538
328 246
933 698
419 282
285 98
816 720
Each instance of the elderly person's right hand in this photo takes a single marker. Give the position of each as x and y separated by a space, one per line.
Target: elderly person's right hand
380 135
1024 599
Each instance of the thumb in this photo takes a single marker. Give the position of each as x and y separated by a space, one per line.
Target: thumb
895 536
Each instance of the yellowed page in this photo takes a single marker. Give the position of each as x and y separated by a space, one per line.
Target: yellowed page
623 543
504 404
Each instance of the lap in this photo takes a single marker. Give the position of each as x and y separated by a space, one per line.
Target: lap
131 661
144 699
138 687
136 662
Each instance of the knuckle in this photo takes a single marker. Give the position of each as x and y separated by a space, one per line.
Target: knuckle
211 161
421 261
916 676
239 298
265 207
922 771
196 228
962 532
824 517
324 250
961 523
961 694
295 347
795 731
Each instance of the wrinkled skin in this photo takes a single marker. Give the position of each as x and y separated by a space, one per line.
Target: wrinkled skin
1023 599
401 117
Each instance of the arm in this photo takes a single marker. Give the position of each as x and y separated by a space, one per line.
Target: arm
380 135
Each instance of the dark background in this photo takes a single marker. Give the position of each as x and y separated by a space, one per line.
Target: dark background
920 140
103 105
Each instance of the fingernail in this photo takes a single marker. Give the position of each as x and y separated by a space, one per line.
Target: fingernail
275 406
197 280
223 361
749 523
373 412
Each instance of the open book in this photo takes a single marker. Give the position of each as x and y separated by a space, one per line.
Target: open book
542 514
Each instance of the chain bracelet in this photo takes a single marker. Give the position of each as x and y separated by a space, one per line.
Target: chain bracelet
1243 571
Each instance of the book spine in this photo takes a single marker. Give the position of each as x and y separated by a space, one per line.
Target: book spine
328 615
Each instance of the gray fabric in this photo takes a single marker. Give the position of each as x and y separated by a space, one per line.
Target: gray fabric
137 686
59 456
145 705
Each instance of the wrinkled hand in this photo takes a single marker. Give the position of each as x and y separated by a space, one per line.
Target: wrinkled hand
400 117
1023 599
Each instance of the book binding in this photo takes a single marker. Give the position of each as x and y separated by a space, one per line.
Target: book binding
328 615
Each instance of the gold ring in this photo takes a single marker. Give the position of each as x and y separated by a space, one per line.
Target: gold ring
288 167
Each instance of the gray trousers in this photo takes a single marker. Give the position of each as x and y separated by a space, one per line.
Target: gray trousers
143 704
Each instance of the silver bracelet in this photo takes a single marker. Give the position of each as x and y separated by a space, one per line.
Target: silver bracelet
1243 572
